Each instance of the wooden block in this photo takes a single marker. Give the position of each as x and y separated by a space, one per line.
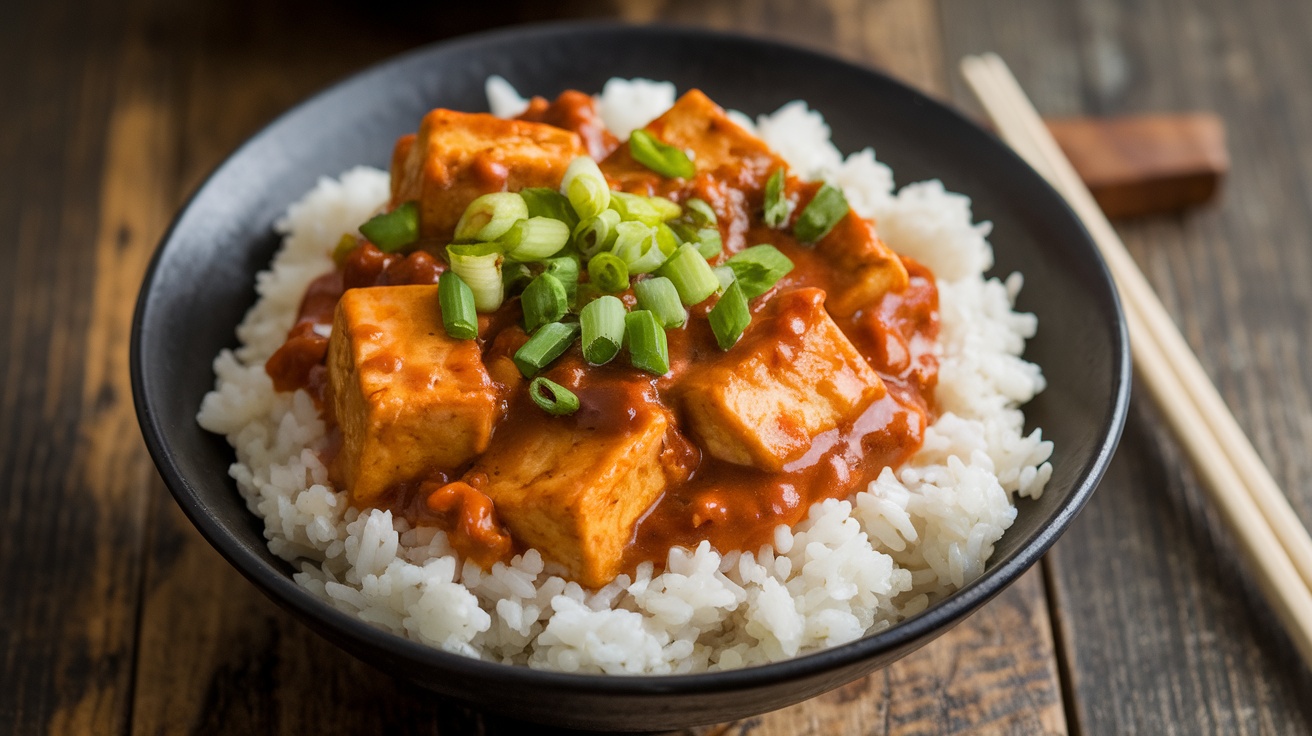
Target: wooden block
1146 164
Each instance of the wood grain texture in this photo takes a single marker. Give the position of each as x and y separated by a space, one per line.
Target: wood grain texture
1162 629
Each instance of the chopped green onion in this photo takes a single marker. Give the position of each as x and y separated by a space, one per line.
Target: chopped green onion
658 296
636 244
546 345
515 276
490 216
664 208
534 238
552 397
546 202
821 214
708 242
393 230
544 301
700 212
776 204
758 268
730 316
345 245
480 267
457 302
667 240
586 187
603 329
566 271
691 275
635 208
725 276
608 273
596 233
662 158
649 349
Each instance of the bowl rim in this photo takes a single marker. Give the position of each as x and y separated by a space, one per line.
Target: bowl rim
321 615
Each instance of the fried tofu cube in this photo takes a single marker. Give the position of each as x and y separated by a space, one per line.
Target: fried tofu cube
792 376
457 156
573 491
864 267
409 398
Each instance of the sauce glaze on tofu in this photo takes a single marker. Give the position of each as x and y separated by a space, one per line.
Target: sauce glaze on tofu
830 383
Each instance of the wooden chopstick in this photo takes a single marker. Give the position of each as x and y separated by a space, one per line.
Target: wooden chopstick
1269 533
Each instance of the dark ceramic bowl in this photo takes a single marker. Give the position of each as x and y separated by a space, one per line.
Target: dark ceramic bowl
201 283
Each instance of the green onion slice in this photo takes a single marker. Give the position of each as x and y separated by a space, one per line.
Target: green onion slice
725 276
515 276
345 245
585 187
730 316
658 296
821 214
566 271
490 216
596 233
603 329
662 158
709 243
479 265
608 273
392 231
691 275
636 208
636 244
758 268
544 301
664 208
649 349
547 344
776 204
700 212
457 302
552 397
534 239
546 202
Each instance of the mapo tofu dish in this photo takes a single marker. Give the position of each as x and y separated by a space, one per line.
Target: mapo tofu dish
552 339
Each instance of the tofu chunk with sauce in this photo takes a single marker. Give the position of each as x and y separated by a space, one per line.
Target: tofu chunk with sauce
457 156
409 398
792 376
575 492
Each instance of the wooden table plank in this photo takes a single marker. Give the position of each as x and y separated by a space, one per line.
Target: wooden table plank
216 656
1162 629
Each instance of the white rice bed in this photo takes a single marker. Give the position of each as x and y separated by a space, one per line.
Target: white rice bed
852 567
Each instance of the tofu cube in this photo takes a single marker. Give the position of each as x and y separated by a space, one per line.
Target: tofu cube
457 156
792 376
409 398
574 491
864 267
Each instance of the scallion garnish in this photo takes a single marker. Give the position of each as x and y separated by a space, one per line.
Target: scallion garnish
664 208
636 208
649 349
552 397
776 204
725 276
546 345
345 245
821 214
709 243
585 187
545 202
534 239
479 265
566 271
758 268
700 212
608 272
691 275
490 216
730 316
515 276
662 158
597 233
658 296
544 301
602 321
457 303
392 231
637 246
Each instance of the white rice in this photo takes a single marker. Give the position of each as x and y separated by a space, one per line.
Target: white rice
851 567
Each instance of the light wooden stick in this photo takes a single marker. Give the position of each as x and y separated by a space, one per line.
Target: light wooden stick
1276 544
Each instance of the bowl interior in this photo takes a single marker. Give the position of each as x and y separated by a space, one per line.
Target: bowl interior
202 280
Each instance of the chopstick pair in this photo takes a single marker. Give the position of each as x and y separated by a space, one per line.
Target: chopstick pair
1277 546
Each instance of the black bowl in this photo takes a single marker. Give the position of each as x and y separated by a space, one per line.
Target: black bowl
201 283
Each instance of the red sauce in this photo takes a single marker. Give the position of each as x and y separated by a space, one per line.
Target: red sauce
732 506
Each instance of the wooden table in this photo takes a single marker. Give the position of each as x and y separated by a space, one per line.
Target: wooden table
116 616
